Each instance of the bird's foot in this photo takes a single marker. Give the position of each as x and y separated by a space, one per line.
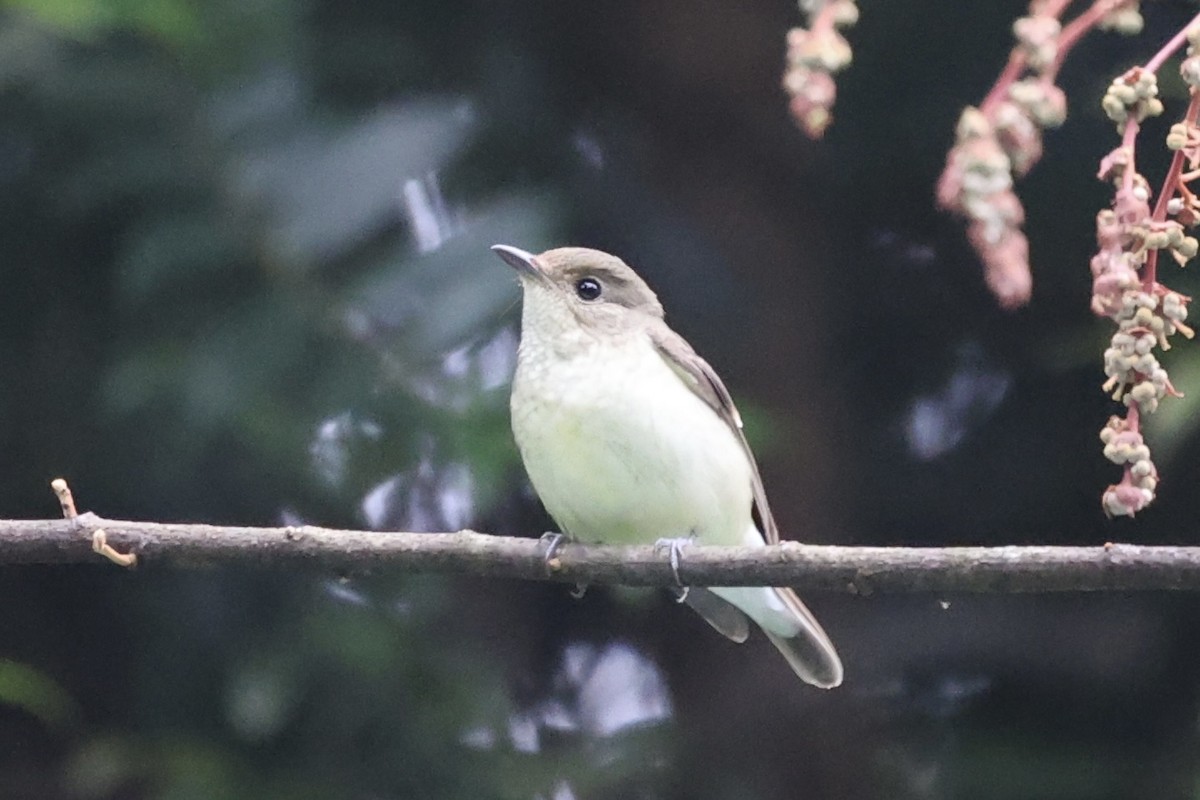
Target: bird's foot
675 548
552 542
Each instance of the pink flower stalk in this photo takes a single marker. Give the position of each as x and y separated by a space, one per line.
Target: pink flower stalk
1002 138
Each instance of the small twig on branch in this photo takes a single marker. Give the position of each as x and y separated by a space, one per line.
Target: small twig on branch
100 544
861 570
65 499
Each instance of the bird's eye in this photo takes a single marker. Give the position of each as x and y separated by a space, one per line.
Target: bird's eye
587 288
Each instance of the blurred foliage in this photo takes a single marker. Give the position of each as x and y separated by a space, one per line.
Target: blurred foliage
26 688
365 697
174 21
262 275
281 281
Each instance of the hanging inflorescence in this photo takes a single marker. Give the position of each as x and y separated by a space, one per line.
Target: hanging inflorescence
1132 236
814 55
1001 139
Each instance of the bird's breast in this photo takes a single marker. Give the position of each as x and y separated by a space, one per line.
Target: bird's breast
620 450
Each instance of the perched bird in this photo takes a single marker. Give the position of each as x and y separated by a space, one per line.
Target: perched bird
629 437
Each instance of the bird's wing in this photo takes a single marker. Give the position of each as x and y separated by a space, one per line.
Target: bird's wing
704 381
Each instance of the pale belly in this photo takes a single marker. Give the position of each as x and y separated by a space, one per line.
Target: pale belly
621 451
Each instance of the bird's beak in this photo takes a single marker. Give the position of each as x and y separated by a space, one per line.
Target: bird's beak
519 260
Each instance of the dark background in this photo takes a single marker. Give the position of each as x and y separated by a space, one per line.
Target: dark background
244 278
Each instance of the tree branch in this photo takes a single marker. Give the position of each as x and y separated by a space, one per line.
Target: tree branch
861 570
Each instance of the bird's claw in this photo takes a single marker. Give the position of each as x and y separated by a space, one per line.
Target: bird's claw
552 542
675 548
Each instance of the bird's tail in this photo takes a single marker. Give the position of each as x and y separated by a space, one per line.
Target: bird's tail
792 628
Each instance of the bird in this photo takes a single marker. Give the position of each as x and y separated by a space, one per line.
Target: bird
629 437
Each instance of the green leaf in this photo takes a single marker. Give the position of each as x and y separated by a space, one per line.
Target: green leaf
27 688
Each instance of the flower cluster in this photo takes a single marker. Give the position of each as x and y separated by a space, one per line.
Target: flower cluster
1134 94
1002 138
1125 447
1134 374
977 183
813 56
1125 287
1146 316
1125 18
1037 37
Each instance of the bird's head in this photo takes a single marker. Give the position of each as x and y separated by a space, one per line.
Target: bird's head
574 287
